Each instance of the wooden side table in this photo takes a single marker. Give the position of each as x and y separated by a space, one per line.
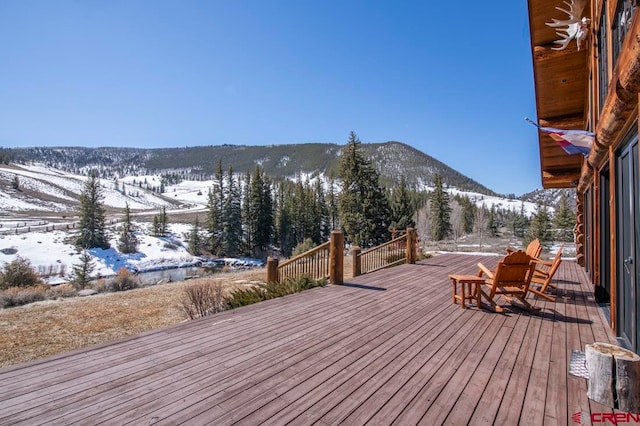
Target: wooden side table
469 287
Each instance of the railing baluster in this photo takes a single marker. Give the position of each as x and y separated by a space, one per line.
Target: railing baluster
384 255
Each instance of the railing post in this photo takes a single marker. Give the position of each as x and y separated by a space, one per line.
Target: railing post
411 246
336 256
272 270
357 265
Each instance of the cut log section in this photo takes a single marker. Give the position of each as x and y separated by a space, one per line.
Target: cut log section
614 376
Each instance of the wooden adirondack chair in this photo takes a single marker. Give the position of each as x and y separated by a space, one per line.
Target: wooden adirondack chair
543 274
534 248
511 278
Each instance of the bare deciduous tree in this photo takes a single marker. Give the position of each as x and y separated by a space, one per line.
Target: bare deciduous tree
480 222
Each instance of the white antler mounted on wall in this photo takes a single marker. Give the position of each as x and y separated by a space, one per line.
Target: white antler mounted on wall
574 27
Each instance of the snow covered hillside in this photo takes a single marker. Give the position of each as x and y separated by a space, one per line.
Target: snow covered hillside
36 188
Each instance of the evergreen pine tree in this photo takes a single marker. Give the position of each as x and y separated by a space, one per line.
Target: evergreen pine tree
468 214
402 208
231 218
264 237
128 242
564 219
250 205
302 212
92 216
213 222
492 225
262 210
163 222
321 214
440 211
480 221
15 183
284 217
82 272
519 222
332 202
362 205
195 242
155 226
540 227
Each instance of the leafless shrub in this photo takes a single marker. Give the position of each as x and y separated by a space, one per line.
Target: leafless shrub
202 299
101 286
16 296
62 290
124 280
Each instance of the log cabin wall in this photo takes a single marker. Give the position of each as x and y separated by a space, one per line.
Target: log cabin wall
604 99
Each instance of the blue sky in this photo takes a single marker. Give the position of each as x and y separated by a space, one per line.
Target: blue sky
452 79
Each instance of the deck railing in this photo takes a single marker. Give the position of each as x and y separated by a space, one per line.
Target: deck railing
324 261
313 263
395 252
327 260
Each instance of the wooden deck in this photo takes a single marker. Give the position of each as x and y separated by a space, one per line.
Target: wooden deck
389 347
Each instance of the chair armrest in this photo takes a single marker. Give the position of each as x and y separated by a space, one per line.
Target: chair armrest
540 271
485 270
541 262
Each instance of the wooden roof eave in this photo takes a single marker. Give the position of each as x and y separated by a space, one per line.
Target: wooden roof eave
561 83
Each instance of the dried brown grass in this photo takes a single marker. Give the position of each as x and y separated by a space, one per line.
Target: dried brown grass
47 328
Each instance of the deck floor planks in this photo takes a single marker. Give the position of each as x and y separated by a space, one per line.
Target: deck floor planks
160 397
333 378
396 386
288 397
393 312
352 378
364 355
586 329
426 380
227 368
145 372
468 353
246 393
532 412
362 384
134 345
480 400
555 411
334 409
513 400
486 409
577 400
140 351
456 402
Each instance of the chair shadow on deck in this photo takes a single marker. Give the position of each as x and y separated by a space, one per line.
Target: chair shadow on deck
548 314
577 298
364 287
561 281
430 265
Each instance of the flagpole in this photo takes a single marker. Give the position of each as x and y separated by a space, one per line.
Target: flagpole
532 122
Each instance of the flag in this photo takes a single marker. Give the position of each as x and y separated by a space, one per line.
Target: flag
572 141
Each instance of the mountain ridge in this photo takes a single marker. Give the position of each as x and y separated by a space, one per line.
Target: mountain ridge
392 159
